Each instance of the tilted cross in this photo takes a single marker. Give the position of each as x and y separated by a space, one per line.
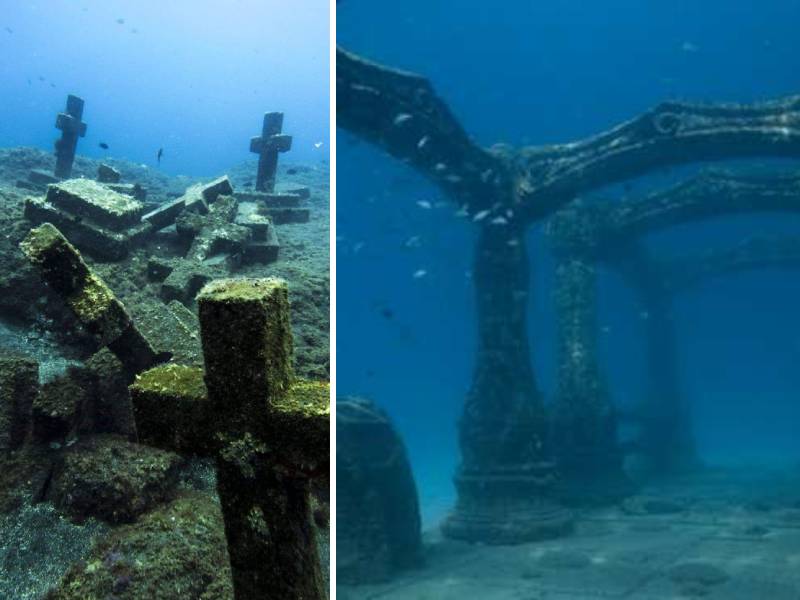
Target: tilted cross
267 146
71 126
268 433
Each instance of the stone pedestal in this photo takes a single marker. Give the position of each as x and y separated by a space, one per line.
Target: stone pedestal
506 480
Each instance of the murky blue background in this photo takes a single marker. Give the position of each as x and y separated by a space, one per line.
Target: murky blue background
193 77
526 72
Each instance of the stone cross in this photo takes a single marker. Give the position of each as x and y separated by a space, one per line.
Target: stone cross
89 298
71 126
267 146
267 431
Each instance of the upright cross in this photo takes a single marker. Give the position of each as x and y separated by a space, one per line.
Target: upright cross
72 128
267 147
268 433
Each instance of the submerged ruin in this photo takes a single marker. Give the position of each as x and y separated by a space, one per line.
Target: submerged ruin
529 471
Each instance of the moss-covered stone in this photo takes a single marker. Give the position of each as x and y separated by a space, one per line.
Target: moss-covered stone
59 406
172 409
19 384
112 408
92 302
247 319
299 425
177 551
91 199
110 478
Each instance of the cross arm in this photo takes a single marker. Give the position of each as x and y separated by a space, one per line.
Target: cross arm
671 133
299 425
171 408
401 113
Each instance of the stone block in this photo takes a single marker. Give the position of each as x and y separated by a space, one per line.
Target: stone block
183 282
58 405
88 198
41 177
259 225
158 269
281 216
19 385
108 174
96 241
133 190
271 199
166 331
262 252
112 409
112 479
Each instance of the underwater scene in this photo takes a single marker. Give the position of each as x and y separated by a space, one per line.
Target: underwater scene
164 300
567 248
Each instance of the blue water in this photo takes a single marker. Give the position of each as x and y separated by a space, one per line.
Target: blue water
192 77
526 72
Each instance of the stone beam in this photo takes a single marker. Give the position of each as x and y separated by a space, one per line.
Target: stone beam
704 196
401 113
670 134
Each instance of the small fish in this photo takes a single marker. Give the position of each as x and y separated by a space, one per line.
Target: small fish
424 204
413 242
605 329
423 142
103 145
357 247
159 155
317 144
513 242
499 221
121 21
134 30
480 216
689 47
419 273
52 85
41 78
291 171
402 118
9 30
387 313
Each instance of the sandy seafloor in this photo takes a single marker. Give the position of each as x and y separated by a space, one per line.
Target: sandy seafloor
37 543
725 533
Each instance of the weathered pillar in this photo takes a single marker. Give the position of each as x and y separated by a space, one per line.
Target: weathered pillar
667 439
506 479
71 126
267 146
584 420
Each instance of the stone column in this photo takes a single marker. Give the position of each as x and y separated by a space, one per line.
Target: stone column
506 478
667 439
584 419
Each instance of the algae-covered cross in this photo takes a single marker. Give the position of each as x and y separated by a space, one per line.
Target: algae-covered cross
267 146
71 126
267 431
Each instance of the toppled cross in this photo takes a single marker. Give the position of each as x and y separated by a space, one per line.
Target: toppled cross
236 238
71 126
267 146
268 432
91 300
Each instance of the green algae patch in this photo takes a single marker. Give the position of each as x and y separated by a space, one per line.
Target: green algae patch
176 551
91 199
171 408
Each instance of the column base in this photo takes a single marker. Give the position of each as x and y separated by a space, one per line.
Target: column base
507 507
